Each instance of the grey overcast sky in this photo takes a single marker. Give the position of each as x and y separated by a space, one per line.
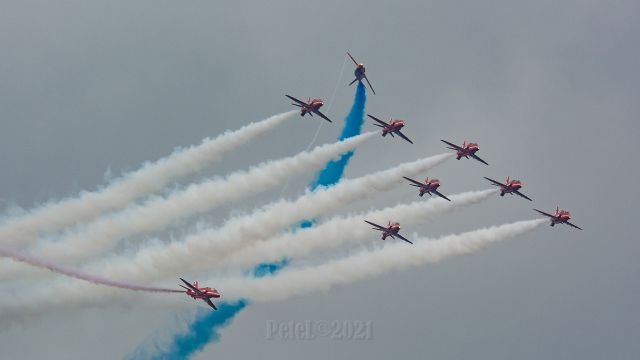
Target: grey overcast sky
550 90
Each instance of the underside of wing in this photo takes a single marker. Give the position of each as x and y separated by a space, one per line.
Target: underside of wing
371 87
544 213
439 194
399 133
453 146
192 287
416 183
210 303
384 124
296 100
317 112
572 225
403 238
497 183
478 158
378 227
352 59
522 195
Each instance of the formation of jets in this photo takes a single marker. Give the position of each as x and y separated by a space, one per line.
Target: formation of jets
429 186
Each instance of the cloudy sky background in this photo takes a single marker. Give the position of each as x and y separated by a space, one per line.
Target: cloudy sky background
549 89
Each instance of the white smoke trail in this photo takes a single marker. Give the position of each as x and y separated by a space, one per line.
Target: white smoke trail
69 272
195 199
202 249
337 231
53 216
199 251
290 281
394 256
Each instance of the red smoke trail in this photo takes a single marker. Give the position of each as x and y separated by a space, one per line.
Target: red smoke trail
43 264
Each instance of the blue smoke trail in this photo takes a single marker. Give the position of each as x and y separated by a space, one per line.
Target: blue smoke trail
332 173
207 324
205 327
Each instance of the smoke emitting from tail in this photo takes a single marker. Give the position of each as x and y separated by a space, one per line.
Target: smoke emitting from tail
196 252
337 231
24 229
393 256
241 241
329 176
199 250
352 127
198 198
296 281
203 329
44 264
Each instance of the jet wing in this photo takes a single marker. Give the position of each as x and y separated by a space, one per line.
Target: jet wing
192 287
371 87
317 112
403 238
304 104
478 158
439 194
384 124
354 80
545 214
497 183
376 225
399 133
453 146
523 195
570 224
352 59
210 303
417 183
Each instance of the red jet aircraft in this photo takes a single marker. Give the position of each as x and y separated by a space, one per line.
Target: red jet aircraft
429 186
509 187
204 293
466 150
359 73
310 107
391 230
392 127
560 217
